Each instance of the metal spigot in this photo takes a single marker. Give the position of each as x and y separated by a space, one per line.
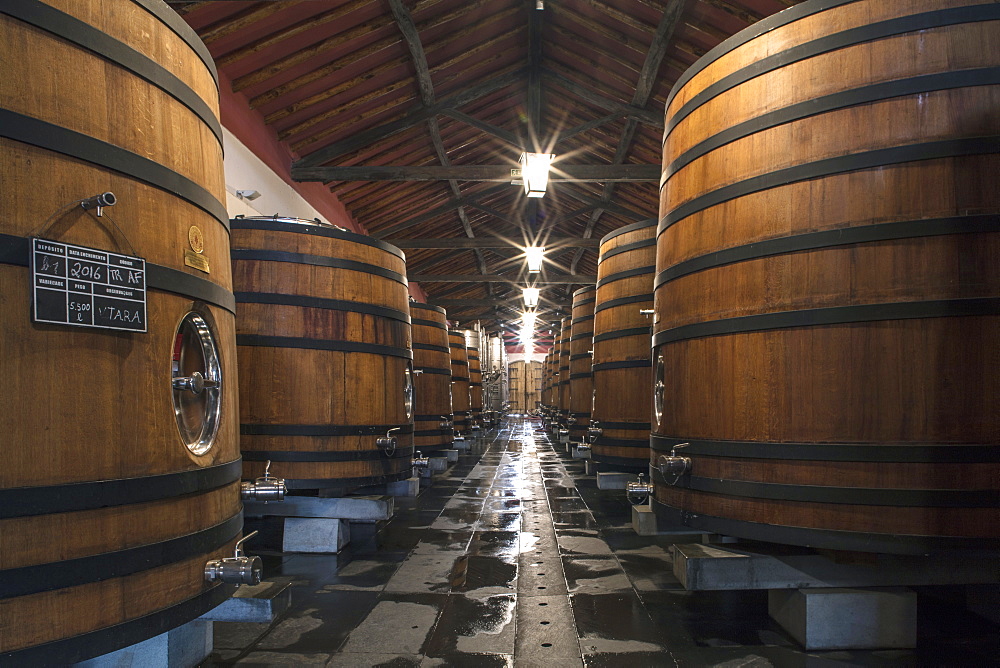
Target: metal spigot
673 464
594 432
264 489
195 383
564 435
387 443
99 202
446 423
638 491
238 569
646 311
419 461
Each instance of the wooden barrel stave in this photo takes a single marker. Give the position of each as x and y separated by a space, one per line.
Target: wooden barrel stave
865 315
475 386
562 399
581 383
105 420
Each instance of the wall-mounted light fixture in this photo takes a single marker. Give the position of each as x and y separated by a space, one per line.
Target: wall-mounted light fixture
249 195
530 296
534 256
535 173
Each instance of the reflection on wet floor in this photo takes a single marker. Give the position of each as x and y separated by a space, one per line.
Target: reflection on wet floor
514 558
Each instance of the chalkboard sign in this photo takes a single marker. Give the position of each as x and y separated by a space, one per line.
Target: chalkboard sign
86 287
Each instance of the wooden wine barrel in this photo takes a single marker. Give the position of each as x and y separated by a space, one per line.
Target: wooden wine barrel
565 328
621 366
547 380
827 295
581 343
110 503
475 387
323 333
460 395
432 382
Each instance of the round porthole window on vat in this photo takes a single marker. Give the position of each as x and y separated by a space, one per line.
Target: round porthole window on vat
196 379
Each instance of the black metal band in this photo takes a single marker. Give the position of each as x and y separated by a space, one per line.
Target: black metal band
582 318
629 273
281 299
322 429
72 497
475 384
428 323
607 463
172 20
460 413
460 346
259 341
429 307
434 447
638 443
948 148
622 333
851 37
74 144
349 483
315 231
316 261
578 337
581 356
325 455
434 370
925 83
632 227
85 36
622 301
69 651
580 376
460 363
925 453
624 364
834 315
431 347
16 250
54 575
635 245
440 416
645 426
580 291
930 227
854 541
857 496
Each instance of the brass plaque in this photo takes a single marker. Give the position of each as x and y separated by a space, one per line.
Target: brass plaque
196 261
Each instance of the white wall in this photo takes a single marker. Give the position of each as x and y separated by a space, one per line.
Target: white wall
517 357
245 171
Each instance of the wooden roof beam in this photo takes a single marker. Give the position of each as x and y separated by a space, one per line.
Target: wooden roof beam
555 279
489 242
490 173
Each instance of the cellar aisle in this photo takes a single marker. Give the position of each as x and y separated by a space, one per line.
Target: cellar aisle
514 558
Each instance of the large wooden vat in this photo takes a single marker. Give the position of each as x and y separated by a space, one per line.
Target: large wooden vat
475 386
565 329
460 395
323 332
110 503
827 290
581 343
432 382
547 379
622 392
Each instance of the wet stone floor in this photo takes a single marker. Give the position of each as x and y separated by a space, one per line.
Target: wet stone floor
514 558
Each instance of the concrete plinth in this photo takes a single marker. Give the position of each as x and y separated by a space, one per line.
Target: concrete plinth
450 455
614 480
354 508
438 464
408 487
644 520
580 451
310 534
253 603
183 647
836 618
461 444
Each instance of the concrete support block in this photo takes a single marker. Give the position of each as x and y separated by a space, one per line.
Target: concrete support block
644 520
838 618
580 451
309 534
409 487
253 603
183 647
614 480
450 455
438 464
461 444
354 508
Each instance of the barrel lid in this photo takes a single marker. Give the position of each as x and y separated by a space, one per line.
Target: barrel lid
428 307
279 223
651 222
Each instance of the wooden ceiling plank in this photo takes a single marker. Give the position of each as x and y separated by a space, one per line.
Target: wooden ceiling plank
644 115
242 20
488 242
